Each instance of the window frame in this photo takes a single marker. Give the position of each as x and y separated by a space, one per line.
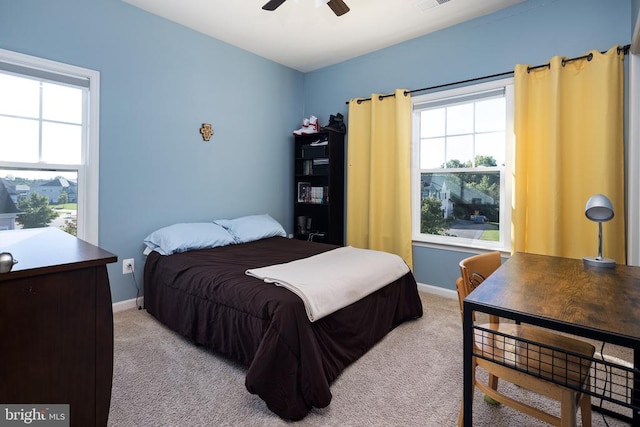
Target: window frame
506 179
88 169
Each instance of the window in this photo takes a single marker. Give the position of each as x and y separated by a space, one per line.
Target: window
49 145
462 166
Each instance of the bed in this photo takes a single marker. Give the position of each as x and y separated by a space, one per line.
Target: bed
204 295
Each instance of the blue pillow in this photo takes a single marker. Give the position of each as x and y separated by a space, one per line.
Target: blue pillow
188 236
252 227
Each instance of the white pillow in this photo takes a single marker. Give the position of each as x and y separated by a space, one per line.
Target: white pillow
252 227
188 236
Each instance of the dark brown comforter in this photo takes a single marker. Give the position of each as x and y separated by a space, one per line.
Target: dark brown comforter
205 296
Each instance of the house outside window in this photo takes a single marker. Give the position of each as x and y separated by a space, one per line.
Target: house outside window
49 144
461 163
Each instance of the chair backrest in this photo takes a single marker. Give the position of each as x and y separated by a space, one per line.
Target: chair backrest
474 270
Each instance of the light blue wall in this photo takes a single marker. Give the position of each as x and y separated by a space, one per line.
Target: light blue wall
528 33
159 83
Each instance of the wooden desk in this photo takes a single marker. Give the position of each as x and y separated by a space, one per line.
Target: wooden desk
561 294
56 324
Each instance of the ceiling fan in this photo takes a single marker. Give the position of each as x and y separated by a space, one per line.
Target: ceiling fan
338 6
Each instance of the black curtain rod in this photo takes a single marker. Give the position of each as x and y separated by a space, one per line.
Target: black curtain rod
588 57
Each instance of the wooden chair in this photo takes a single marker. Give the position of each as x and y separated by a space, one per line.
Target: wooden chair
513 358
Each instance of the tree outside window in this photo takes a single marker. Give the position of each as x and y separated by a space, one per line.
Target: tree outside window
35 211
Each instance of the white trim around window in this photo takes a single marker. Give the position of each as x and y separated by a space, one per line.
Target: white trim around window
88 171
633 152
428 240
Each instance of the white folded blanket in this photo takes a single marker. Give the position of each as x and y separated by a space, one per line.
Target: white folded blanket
332 280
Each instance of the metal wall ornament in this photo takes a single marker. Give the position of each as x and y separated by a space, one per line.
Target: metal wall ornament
206 131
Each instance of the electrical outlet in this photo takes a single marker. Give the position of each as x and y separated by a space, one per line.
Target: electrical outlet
127 266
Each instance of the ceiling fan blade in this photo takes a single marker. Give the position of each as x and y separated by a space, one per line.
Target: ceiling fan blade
273 4
338 7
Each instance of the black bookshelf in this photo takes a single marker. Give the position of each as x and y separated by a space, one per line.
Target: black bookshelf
318 211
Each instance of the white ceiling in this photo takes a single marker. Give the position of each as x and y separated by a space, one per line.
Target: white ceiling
305 37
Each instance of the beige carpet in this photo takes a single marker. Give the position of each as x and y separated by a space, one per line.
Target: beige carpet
411 378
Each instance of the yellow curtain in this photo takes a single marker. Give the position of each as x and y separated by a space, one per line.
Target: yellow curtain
569 146
379 175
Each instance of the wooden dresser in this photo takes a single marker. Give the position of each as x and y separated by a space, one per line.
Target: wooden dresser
56 324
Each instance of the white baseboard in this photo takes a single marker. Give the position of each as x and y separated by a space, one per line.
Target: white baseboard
437 290
128 304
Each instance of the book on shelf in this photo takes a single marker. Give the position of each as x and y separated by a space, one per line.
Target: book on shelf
311 194
304 192
307 167
319 195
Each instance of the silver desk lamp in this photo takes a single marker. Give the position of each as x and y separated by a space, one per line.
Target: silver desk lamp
599 209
